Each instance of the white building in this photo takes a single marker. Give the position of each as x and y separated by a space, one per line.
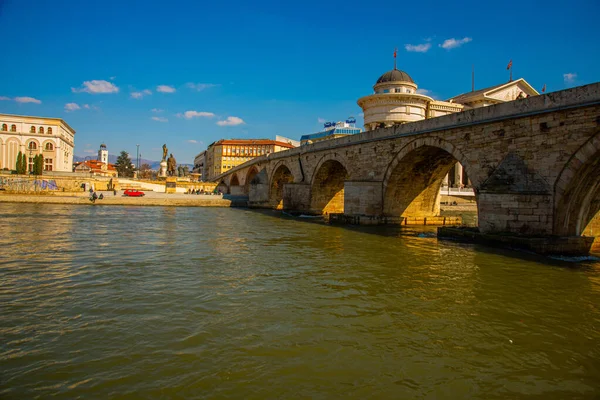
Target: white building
396 102
51 137
103 154
200 166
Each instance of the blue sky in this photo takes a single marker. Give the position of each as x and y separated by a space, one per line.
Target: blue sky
255 69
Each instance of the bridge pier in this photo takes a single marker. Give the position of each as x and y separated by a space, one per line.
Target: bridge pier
363 198
258 195
296 197
529 214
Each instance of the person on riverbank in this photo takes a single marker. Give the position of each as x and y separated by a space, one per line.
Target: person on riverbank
93 197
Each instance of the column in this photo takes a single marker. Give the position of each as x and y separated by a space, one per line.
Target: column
458 172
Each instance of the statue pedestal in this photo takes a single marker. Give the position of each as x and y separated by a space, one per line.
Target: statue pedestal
163 169
171 184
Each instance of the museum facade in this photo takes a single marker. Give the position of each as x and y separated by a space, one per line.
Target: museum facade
51 137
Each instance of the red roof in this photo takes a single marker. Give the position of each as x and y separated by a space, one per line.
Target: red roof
96 165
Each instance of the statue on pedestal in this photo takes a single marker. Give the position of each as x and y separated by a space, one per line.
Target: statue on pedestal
165 151
171 165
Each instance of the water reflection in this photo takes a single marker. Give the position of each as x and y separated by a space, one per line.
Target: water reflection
166 302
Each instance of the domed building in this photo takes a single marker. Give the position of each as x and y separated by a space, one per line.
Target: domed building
396 101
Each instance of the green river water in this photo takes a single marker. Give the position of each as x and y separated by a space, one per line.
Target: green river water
103 302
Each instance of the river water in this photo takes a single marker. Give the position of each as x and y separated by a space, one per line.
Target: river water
158 302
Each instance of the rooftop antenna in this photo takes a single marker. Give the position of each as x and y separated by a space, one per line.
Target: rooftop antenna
395 52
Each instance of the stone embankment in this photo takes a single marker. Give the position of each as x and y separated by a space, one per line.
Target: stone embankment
110 199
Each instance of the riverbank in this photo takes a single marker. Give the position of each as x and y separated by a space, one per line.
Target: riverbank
151 199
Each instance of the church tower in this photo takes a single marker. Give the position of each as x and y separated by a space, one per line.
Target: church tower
103 154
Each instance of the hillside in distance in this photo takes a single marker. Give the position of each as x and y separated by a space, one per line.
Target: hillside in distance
112 159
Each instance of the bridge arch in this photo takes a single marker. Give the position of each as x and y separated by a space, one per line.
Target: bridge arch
577 190
250 175
222 187
412 181
234 181
327 186
280 177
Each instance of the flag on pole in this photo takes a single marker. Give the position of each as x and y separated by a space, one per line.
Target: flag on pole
544 88
509 66
395 51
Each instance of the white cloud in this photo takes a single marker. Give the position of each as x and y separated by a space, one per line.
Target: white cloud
96 87
321 120
4 98
157 110
90 151
569 77
165 89
27 100
192 141
160 119
362 114
72 107
200 86
454 43
418 48
139 95
428 92
231 121
195 114
112 78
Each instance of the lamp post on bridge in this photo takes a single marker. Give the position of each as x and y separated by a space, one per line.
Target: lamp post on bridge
138 161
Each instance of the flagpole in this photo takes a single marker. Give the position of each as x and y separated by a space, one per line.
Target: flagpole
510 79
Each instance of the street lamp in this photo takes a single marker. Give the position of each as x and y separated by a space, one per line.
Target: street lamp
138 160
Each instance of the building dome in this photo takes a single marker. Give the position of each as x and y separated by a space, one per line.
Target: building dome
394 75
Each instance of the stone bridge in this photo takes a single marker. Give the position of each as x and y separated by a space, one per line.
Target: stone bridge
534 165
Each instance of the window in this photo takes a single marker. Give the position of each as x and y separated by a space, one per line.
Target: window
47 164
32 146
41 130
13 128
32 129
30 164
49 147
4 127
49 131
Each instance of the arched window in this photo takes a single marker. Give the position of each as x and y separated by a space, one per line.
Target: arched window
41 130
49 146
49 131
13 128
32 129
32 146
4 127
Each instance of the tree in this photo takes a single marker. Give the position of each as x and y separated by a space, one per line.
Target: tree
124 166
18 164
145 171
38 164
21 164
